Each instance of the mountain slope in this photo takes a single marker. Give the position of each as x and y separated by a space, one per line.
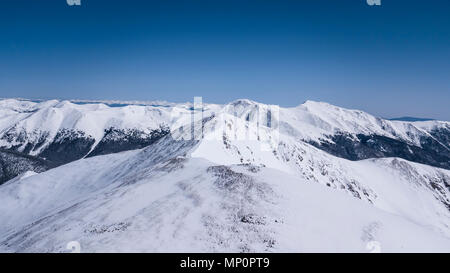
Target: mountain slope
195 208
13 164
356 135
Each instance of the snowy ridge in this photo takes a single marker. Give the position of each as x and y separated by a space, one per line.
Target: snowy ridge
315 119
23 122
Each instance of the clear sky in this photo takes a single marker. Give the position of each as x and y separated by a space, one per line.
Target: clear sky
390 60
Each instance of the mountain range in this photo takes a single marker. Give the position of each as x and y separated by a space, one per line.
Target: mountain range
240 177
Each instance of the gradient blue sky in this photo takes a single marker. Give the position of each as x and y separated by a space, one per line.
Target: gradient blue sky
391 60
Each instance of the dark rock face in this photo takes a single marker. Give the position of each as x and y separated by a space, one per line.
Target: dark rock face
68 146
20 136
442 135
432 151
119 140
12 164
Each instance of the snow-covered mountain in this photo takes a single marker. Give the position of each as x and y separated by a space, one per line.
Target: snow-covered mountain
59 132
238 177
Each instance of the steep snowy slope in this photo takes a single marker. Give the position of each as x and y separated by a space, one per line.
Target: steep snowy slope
62 131
224 192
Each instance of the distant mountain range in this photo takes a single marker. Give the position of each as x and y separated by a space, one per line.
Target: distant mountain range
411 119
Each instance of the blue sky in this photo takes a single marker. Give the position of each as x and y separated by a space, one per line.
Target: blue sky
390 60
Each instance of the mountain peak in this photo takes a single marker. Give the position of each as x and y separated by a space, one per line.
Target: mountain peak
313 102
243 102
